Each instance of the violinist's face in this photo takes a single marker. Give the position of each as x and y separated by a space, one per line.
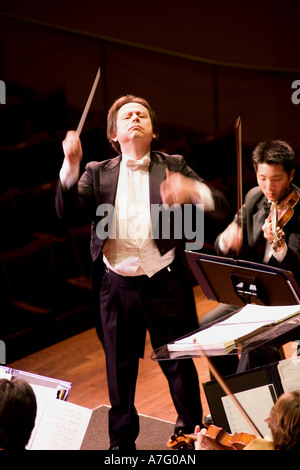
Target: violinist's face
273 180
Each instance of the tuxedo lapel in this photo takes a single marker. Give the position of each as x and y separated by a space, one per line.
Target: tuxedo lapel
157 173
109 179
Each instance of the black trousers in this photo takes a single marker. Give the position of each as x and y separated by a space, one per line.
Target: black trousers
163 304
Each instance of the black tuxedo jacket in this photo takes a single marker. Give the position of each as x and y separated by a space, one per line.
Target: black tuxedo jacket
97 186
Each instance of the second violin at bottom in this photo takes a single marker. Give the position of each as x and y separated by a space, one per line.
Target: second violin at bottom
215 438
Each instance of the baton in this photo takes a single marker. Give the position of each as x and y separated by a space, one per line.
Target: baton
88 103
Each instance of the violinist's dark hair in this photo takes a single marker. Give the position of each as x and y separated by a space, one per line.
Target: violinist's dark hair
112 117
274 152
284 421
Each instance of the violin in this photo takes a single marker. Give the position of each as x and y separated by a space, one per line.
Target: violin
215 439
182 441
280 214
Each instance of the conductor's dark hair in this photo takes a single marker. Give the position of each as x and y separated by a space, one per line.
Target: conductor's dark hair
113 112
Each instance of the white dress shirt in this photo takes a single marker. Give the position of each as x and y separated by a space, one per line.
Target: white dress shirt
133 251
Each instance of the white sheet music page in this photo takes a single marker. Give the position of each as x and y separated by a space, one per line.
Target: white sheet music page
260 313
257 402
62 426
223 336
289 372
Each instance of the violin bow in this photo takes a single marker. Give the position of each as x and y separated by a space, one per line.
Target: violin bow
88 103
238 141
229 393
220 380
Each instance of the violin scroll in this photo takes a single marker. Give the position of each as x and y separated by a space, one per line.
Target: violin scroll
182 441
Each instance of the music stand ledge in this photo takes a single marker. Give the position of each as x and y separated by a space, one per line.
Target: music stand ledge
238 283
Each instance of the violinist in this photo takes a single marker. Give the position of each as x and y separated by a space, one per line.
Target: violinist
254 239
252 233
284 424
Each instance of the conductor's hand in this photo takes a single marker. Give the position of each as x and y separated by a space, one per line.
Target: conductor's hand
177 189
72 148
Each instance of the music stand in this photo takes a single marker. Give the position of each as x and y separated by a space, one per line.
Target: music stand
238 282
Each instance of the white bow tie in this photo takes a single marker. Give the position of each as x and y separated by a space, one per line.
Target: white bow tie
137 164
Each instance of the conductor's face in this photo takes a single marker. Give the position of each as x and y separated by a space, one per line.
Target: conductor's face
134 126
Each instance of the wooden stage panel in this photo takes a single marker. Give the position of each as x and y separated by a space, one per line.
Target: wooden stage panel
80 360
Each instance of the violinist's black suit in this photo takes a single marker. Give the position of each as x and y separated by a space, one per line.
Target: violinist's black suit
163 303
255 210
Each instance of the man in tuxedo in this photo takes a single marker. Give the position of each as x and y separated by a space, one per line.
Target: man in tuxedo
251 235
140 280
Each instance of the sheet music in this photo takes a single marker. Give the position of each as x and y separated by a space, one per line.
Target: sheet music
4 373
260 313
289 372
42 395
257 403
223 336
62 426
219 334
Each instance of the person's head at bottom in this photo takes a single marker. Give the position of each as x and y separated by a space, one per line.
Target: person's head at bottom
17 413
